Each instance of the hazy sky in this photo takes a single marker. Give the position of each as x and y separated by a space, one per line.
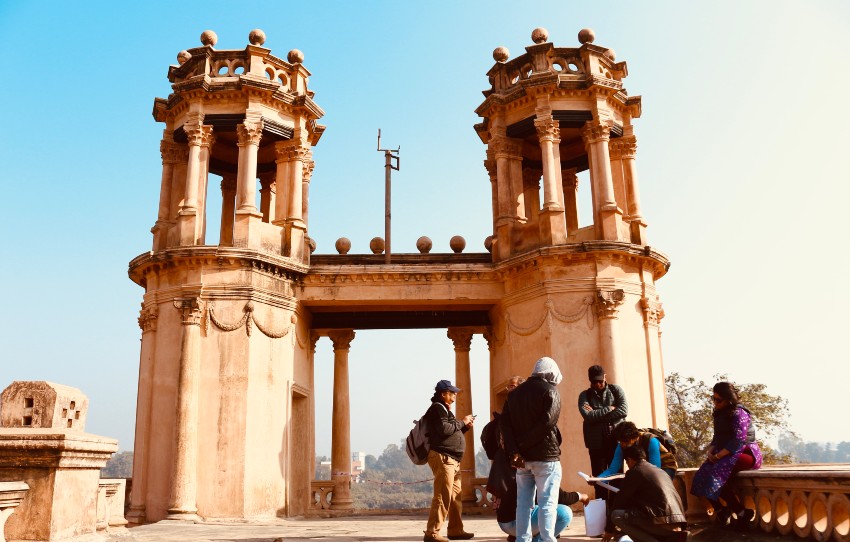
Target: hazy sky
741 162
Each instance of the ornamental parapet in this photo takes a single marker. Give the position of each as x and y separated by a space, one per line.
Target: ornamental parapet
11 496
806 501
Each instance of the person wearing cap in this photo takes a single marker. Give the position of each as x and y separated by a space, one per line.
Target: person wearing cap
529 424
447 443
602 406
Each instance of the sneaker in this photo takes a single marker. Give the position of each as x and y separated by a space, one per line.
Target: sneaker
436 537
463 535
722 515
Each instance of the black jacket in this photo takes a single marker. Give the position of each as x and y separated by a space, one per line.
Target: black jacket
529 421
445 432
601 417
648 490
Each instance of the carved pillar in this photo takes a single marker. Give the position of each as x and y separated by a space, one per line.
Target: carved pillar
653 312
170 153
553 229
490 166
228 209
637 225
188 218
596 136
249 133
607 308
203 177
462 339
144 402
282 151
504 151
570 184
309 165
267 198
531 183
184 481
341 425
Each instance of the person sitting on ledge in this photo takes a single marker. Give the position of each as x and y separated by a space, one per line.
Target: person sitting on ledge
647 508
627 434
733 449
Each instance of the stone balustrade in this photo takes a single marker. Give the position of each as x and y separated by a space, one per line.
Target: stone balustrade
110 505
809 501
321 492
11 495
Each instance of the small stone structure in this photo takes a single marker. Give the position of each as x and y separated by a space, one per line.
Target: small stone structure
42 446
43 405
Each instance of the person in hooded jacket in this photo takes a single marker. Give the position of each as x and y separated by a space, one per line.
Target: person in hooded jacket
447 443
733 449
529 425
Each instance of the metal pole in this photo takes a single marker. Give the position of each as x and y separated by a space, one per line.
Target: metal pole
387 213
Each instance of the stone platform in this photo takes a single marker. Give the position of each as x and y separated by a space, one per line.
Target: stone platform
398 528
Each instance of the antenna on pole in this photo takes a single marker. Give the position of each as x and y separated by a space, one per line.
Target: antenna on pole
389 156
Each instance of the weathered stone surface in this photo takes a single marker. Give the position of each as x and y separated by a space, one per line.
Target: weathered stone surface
40 404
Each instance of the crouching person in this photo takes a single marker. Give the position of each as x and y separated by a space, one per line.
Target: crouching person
648 507
506 513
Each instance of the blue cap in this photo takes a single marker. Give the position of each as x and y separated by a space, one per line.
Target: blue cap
445 385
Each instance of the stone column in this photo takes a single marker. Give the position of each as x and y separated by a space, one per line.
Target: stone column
607 308
309 165
570 184
553 227
228 210
203 178
504 151
170 156
531 182
653 312
462 339
184 482
636 222
282 150
11 496
295 222
147 321
198 136
246 234
490 166
341 425
596 136
267 198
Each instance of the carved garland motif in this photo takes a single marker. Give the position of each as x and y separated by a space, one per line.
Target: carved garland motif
551 312
248 320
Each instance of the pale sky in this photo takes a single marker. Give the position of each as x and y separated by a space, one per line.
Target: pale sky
741 161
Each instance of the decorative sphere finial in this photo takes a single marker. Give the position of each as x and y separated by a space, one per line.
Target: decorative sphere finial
539 35
257 37
586 35
208 37
295 57
501 54
183 57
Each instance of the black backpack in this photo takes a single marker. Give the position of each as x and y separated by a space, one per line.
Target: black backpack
663 436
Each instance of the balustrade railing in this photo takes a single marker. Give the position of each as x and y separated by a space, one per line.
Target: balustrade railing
11 495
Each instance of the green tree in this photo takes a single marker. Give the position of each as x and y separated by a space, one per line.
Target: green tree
119 465
689 409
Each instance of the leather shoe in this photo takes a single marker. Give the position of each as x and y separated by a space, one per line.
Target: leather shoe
463 535
436 537
678 536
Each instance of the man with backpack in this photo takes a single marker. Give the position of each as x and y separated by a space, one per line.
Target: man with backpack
447 443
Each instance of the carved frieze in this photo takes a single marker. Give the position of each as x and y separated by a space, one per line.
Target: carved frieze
608 302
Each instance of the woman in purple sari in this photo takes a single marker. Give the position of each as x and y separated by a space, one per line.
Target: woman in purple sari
732 450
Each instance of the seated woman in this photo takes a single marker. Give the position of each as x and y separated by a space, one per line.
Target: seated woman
733 449
627 434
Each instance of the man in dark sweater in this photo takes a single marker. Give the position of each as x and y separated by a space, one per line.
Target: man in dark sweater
445 435
647 507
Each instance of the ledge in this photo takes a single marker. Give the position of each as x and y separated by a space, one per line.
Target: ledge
49 448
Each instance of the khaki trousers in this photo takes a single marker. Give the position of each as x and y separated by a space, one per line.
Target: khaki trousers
446 501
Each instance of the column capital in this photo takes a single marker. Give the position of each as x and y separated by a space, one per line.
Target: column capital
608 302
309 166
314 338
249 133
653 311
504 147
622 147
548 129
147 318
267 183
228 184
461 337
532 176
190 310
570 177
341 338
490 337
197 133
173 153
594 131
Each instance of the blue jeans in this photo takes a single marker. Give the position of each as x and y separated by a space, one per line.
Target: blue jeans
562 520
544 479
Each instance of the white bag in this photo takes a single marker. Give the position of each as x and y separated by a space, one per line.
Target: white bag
595 517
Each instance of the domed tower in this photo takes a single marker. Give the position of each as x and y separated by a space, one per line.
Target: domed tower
582 295
224 386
